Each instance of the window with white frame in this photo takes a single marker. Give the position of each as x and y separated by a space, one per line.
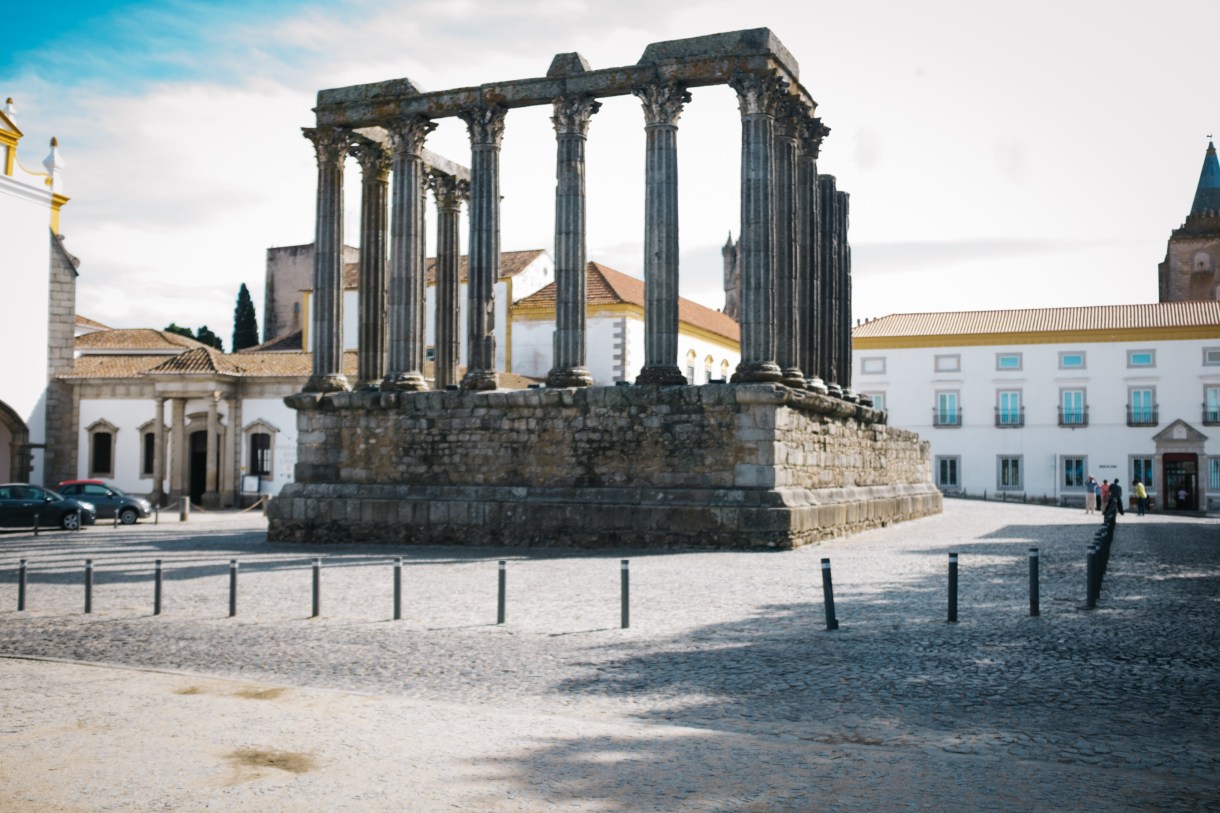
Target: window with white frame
260 449
1142 406
1008 408
1071 360
1213 474
1072 408
101 448
1211 356
949 363
724 369
1211 405
708 363
1009 473
1072 471
1141 469
947 469
948 412
872 365
690 367
1008 361
1141 358
878 399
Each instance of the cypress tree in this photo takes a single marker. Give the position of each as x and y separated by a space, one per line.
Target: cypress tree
245 323
208 337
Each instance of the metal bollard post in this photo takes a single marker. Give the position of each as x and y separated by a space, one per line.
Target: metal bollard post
88 586
232 587
317 587
21 587
36 525
80 520
1033 582
116 517
952 588
1090 578
828 597
626 593
184 509
503 592
156 514
398 589
157 590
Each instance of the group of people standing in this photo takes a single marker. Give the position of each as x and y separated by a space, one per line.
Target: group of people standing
1099 496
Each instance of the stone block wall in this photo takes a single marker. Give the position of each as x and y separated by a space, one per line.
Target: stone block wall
710 466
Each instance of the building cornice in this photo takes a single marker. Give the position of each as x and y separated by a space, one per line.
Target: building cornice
1150 334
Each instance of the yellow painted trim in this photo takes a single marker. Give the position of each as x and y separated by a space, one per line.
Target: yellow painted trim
305 297
631 309
508 329
10 155
1040 337
57 202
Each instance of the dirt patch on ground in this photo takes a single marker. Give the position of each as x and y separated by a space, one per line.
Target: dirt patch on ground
260 694
258 758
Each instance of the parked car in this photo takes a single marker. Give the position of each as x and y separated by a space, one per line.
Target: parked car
23 505
108 500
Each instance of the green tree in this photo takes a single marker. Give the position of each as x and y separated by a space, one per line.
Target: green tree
174 327
245 323
208 337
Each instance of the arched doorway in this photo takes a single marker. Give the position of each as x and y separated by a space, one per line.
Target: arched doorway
14 446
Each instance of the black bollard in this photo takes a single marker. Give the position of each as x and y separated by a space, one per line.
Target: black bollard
398 589
828 597
232 587
36 525
626 593
116 517
21 586
1090 601
156 514
503 592
80 520
1033 582
317 586
88 586
157 590
952 588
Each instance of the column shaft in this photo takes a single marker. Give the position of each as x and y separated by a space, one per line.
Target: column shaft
571 120
327 306
843 345
211 498
829 281
809 271
788 244
450 192
178 451
158 489
486 126
374 205
757 97
663 105
405 309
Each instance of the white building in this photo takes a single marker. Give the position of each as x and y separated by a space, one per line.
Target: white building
1031 402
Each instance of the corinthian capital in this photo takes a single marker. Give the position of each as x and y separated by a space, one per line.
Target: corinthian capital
572 114
791 113
450 192
407 134
485 124
662 102
330 143
812 133
374 159
758 95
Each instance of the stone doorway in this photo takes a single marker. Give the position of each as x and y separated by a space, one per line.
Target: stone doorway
199 466
1180 474
14 446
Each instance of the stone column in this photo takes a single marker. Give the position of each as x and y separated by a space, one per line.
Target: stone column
571 120
374 205
407 338
828 205
211 497
330 143
158 489
808 269
843 344
486 126
788 243
450 192
179 455
662 106
757 97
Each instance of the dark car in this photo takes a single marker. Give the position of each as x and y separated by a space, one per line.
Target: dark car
108 500
24 506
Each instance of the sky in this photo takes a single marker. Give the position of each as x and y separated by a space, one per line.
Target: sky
998 155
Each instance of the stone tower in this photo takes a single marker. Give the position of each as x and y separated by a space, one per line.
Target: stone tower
732 279
1191 269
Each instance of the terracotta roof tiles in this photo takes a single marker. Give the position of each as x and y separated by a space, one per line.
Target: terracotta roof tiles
129 339
511 264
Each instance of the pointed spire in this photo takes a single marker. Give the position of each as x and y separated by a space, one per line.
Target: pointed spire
1207 195
10 109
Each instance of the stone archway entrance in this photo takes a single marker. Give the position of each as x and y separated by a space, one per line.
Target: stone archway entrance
14 446
198 471
1179 448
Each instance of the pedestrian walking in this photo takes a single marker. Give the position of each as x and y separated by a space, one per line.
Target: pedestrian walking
1103 501
1116 495
1090 495
1141 498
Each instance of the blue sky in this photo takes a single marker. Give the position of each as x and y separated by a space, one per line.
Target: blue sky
997 155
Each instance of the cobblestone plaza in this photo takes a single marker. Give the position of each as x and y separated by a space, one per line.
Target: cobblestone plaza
726 692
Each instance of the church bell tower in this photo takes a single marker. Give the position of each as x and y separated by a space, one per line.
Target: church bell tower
1191 269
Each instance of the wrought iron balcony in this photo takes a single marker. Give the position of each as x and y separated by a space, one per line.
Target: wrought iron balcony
1074 417
1142 416
946 417
1211 415
1009 418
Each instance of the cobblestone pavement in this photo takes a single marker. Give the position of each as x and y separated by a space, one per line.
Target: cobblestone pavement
726 693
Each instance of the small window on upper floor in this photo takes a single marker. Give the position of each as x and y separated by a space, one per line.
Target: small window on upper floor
874 365
1141 358
1211 356
1008 361
1071 360
949 364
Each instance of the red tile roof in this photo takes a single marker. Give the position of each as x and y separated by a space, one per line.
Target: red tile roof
511 264
127 339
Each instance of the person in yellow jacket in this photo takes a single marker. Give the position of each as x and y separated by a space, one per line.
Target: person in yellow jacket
1141 498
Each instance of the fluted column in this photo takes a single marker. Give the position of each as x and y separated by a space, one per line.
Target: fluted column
809 289
374 203
158 489
486 126
788 243
179 454
450 192
404 310
662 106
757 97
829 280
843 343
211 497
330 144
571 120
